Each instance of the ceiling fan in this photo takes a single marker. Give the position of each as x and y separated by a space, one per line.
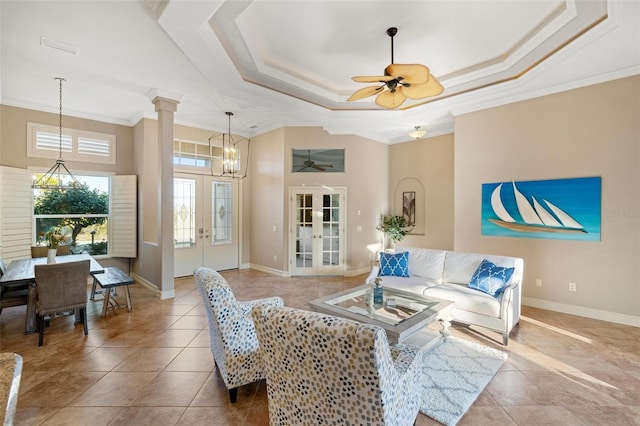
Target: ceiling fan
310 164
400 81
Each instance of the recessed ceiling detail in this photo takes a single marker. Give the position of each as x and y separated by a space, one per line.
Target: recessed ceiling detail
271 49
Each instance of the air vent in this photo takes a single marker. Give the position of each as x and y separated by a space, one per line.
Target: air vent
59 45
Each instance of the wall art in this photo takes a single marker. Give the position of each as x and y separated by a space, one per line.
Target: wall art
317 161
567 209
409 207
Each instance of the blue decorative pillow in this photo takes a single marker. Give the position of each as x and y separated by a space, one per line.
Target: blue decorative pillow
394 264
490 279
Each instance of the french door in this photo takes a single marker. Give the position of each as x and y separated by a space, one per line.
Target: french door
317 232
205 223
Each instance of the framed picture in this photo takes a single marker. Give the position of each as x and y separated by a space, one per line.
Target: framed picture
409 207
317 161
567 209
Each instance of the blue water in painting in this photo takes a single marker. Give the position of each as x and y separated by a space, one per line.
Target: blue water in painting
580 198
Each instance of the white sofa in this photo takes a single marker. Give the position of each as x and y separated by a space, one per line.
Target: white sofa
446 275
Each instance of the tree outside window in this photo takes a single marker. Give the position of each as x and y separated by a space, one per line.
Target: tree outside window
82 212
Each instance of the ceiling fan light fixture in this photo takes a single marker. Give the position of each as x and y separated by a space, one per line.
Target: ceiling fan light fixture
399 82
417 133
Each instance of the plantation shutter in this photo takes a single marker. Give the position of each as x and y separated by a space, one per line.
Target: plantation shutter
16 213
123 212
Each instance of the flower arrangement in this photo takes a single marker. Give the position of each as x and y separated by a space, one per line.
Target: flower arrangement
54 237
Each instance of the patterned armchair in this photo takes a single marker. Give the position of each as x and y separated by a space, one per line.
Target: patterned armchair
323 369
232 335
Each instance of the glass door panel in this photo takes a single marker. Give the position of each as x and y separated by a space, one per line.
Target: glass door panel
317 238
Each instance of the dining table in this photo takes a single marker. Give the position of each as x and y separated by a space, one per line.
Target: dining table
22 272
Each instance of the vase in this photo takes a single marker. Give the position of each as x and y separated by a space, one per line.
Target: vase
51 255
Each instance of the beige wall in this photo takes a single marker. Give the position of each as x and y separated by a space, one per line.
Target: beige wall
426 166
146 160
267 201
592 131
365 177
13 135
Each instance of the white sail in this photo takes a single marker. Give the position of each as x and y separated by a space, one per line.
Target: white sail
544 215
527 212
566 220
498 207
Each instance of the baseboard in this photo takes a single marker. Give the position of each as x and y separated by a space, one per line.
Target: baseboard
148 284
269 270
285 274
359 271
582 311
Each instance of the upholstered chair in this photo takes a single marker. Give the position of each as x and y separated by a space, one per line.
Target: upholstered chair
323 369
233 340
61 287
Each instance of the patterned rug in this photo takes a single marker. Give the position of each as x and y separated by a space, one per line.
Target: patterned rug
455 372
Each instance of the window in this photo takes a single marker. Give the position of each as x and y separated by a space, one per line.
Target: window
79 145
222 217
184 216
81 214
188 155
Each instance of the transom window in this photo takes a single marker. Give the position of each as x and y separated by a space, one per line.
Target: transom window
79 145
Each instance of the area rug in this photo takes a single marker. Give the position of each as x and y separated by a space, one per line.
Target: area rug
455 371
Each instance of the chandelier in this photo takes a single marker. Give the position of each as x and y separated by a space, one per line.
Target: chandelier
232 153
58 176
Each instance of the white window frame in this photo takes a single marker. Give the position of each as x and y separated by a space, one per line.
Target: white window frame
77 137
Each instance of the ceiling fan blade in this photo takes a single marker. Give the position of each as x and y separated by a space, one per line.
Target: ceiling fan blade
419 91
372 78
319 168
390 99
410 73
365 92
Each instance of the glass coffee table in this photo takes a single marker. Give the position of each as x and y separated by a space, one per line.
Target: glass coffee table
404 315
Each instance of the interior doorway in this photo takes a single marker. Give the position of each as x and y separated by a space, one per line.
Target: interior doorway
317 238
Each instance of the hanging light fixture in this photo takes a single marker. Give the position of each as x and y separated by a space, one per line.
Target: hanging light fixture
417 133
58 176
231 155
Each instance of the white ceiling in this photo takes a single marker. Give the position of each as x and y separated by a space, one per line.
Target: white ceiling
290 63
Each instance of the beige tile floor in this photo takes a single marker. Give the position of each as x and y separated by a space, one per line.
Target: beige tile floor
153 366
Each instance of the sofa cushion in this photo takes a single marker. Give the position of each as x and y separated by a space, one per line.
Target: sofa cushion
466 299
490 279
394 264
459 267
426 263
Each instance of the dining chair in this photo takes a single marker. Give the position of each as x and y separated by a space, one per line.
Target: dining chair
322 369
61 287
232 335
41 251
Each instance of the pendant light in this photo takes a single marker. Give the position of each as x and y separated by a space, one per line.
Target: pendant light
58 176
232 166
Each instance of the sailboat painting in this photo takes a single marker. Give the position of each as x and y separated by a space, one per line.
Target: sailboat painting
566 209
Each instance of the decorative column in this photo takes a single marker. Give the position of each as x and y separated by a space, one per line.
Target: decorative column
165 108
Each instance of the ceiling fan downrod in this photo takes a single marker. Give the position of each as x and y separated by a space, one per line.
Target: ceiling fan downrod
392 32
